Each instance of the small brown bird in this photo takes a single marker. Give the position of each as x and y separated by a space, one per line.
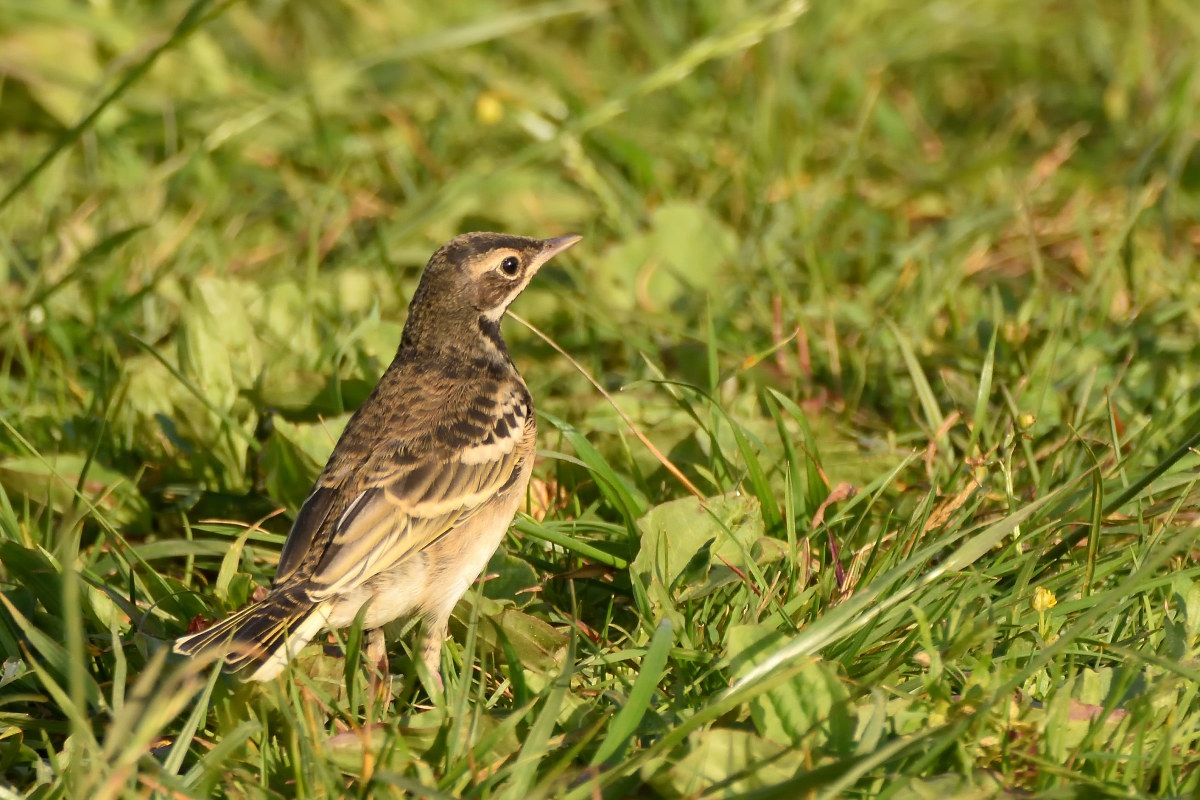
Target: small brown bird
422 484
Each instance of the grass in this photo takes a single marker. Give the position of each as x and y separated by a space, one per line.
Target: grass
886 485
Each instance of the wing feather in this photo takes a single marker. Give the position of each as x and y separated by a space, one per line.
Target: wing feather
313 514
409 503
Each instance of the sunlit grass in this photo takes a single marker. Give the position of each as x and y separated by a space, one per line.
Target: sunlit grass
867 405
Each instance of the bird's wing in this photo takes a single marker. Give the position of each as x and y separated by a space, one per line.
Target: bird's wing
316 509
408 497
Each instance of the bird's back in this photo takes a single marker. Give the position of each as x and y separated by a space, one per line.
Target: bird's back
435 432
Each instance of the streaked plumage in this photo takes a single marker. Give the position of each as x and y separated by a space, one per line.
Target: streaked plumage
423 482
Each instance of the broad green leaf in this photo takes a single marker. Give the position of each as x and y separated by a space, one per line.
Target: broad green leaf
510 579
538 644
315 440
728 763
812 709
56 66
285 386
980 785
675 533
52 480
218 346
686 252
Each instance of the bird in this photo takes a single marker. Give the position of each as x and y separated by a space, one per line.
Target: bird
423 483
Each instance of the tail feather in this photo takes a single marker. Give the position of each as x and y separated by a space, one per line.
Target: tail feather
262 636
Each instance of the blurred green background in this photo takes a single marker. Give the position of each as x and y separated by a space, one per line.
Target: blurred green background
942 252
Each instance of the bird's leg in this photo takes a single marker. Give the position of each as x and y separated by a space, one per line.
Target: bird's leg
381 679
377 651
432 636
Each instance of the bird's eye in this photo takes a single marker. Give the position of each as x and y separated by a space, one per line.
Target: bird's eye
510 266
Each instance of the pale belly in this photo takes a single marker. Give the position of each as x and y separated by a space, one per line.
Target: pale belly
430 582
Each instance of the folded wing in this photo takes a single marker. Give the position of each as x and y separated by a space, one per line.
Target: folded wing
404 497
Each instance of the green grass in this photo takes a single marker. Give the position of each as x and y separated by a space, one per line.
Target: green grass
887 485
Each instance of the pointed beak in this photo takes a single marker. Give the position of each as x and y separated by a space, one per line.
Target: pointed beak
552 247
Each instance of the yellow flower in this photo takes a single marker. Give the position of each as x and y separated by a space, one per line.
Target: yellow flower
488 108
1043 600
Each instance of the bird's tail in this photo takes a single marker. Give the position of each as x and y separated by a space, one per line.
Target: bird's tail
260 639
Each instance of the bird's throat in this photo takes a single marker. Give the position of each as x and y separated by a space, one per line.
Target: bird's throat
490 332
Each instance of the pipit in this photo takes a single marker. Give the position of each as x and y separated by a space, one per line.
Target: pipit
424 481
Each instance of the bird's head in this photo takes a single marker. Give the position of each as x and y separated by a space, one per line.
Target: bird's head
472 280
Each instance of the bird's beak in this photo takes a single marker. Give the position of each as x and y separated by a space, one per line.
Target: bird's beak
552 247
